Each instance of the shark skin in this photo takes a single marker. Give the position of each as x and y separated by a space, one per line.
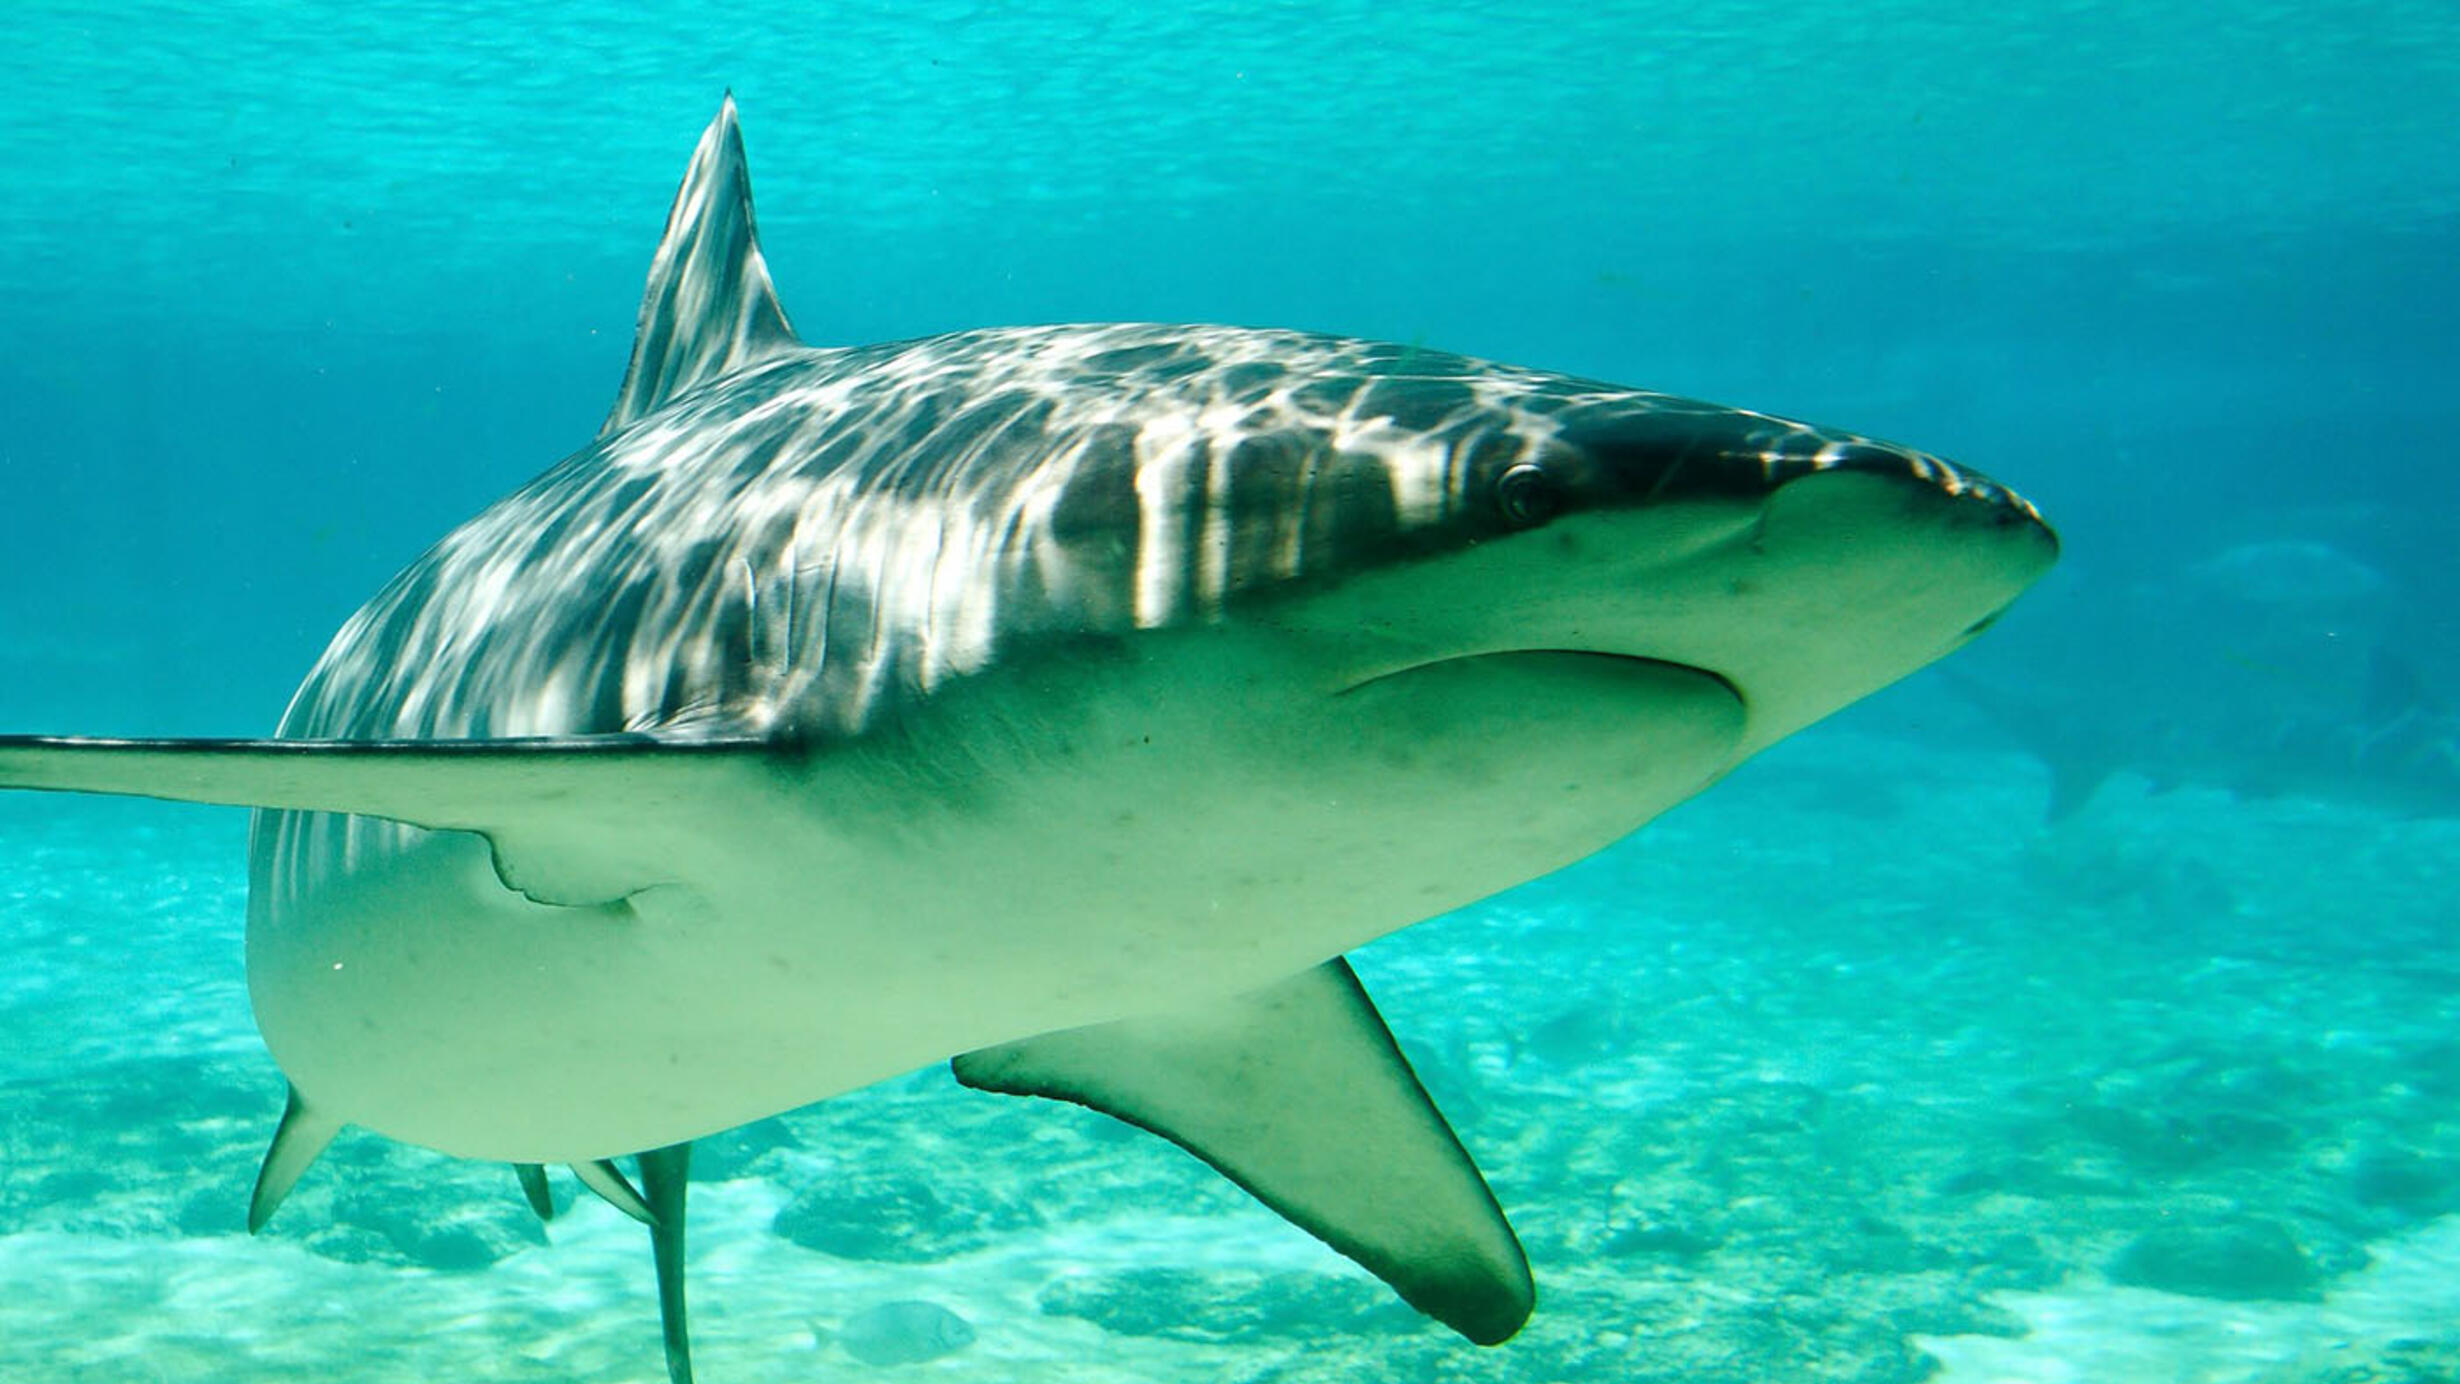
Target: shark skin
1062 702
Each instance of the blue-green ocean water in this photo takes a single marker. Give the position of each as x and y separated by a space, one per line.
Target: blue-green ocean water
2092 1012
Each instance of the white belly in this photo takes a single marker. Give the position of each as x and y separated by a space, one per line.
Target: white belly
1003 871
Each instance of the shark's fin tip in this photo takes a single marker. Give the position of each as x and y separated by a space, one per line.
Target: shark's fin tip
302 1135
534 1189
710 308
1298 1094
608 1181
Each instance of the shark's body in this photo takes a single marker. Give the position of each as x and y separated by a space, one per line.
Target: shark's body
1061 700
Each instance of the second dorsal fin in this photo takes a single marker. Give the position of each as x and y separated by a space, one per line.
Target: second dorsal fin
710 308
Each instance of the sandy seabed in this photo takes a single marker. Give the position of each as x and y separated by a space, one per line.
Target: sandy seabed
1799 1083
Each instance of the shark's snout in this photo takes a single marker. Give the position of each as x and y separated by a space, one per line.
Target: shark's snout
1801 566
1673 450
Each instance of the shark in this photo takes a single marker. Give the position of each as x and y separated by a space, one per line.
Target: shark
1059 702
2283 667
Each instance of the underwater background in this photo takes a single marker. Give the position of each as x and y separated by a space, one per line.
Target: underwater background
2086 1010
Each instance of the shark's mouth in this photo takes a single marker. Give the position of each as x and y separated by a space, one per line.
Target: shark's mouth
1529 759
1660 730
1569 665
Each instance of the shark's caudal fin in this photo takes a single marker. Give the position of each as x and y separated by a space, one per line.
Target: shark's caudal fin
1298 1094
710 308
657 1203
665 1177
2079 753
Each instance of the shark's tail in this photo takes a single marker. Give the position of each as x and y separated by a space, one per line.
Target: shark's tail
2079 760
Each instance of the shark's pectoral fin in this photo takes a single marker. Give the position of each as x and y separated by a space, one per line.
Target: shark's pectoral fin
1298 1094
563 814
658 1204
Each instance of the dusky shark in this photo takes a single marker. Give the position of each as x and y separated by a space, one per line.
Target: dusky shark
2276 668
1057 701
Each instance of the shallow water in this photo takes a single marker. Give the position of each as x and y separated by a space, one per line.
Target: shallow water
1745 1128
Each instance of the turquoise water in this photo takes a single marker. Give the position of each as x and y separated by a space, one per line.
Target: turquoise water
2087 1014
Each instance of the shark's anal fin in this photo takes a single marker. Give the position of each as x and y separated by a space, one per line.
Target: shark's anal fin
297 1140
710 308
563 813
665 1177
1298 1094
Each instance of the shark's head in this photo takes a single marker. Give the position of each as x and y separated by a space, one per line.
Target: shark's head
1389 630
1416 510
1802 567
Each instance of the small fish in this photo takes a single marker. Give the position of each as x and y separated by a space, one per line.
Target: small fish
905 1332
2288 572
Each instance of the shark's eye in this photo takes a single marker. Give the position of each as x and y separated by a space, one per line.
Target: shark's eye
1526 495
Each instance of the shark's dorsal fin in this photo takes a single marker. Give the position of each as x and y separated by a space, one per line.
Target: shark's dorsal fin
1298 1094
710 308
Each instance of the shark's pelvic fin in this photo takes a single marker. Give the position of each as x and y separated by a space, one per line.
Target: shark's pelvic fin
297 1140
562 812
534 1188
710 308
1298 1094
608 1181
665 1177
